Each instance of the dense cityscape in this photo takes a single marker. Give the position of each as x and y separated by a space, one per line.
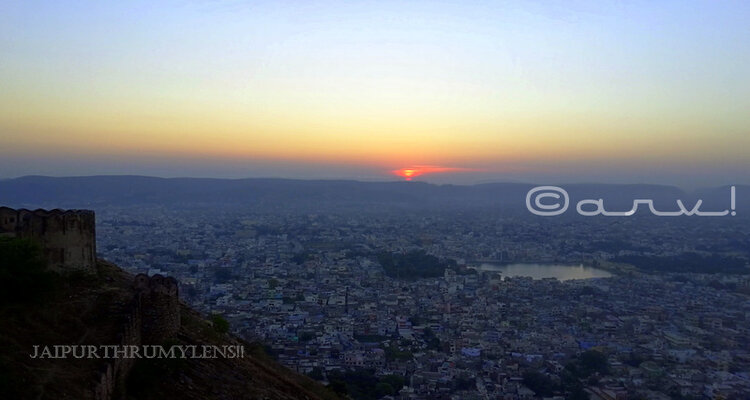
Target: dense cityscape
404 305
375 200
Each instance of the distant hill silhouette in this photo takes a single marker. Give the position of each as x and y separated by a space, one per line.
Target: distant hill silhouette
322 195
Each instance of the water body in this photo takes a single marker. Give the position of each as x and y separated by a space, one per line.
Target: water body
540 271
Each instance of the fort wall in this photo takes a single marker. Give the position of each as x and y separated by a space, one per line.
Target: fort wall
67 237
153 316
111 378
160 307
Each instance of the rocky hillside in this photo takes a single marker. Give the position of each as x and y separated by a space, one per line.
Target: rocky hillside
39 308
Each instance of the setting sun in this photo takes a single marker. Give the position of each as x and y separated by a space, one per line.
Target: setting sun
411 172
408 173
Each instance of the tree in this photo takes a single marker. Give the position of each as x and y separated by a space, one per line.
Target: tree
316 373
396 381
592 361
383 389
221 325
541 384
23 271
572 386
463 382
588 363
431 341
393 353
578 394
222 275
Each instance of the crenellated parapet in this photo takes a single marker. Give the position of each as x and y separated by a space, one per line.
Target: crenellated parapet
67 237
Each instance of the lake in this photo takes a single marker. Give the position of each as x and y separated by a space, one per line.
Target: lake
540 271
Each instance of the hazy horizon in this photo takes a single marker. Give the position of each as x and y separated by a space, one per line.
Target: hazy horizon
469 92
435 180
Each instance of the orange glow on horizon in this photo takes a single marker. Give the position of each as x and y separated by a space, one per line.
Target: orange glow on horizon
411 172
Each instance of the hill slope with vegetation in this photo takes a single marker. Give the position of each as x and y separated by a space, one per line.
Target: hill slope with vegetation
43 308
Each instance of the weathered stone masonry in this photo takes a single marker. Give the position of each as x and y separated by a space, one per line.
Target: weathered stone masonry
153 317
67 237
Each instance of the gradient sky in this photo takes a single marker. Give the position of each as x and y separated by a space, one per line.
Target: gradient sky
642 91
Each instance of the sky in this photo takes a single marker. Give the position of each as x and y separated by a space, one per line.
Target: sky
462 91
